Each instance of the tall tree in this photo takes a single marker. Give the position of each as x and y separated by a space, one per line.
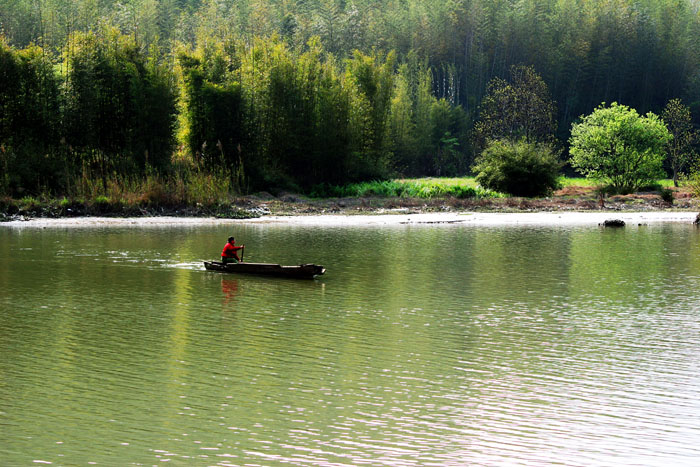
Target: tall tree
402 127
120 109
30 158
515 109
679 150
371 78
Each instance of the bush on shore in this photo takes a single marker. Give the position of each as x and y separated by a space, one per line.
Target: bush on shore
518 168
619 147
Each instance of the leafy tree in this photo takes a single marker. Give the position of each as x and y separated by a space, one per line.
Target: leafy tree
521 108
636 51
9 107
425 134
212 113
332 150
641 52
371 81
120 108
618 146
402 126
448 128
679 150
30 159
428 135
520 168
282 114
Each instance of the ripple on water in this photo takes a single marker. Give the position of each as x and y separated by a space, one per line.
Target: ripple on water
421 346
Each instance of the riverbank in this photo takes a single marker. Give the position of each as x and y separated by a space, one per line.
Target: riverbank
580 205
329 220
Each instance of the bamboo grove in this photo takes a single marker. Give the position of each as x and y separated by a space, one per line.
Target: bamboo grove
298 93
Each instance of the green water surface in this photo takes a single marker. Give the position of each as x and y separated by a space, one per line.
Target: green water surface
422 345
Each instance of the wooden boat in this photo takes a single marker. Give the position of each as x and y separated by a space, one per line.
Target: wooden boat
302 271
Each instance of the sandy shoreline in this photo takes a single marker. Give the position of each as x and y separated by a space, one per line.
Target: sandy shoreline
458 218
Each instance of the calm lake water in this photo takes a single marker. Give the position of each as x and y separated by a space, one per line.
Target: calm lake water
422 345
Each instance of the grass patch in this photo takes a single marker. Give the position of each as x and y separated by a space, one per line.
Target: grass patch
187 190
451 181
565 182
425 188
186 186
587 182
29 203
431 187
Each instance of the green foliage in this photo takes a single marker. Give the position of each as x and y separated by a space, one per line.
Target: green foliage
428 135
519 109
619 147
518 167
693 182
666 195
29 203
29 104
402 124
309 91
425 189
291 119
679 150
213 110
120 109
205 188
184 186
370 83
638 52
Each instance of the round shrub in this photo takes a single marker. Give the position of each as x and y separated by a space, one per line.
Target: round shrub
518 168
618 146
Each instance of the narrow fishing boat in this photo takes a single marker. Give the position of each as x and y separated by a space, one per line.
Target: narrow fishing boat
302 271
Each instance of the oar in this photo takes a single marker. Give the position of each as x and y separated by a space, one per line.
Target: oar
242 251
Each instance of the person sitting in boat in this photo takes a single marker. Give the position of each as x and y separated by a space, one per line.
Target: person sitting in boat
229 254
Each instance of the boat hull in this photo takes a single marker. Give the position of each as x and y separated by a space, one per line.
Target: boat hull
302 271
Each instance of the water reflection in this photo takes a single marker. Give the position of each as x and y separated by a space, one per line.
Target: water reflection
229 289
420 346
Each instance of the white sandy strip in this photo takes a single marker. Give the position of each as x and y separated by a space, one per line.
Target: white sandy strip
462 218
495 219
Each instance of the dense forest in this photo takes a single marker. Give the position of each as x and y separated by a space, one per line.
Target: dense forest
277 93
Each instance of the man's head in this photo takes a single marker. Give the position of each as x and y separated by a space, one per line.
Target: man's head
231 239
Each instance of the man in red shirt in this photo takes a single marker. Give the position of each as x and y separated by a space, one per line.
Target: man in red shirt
229 255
